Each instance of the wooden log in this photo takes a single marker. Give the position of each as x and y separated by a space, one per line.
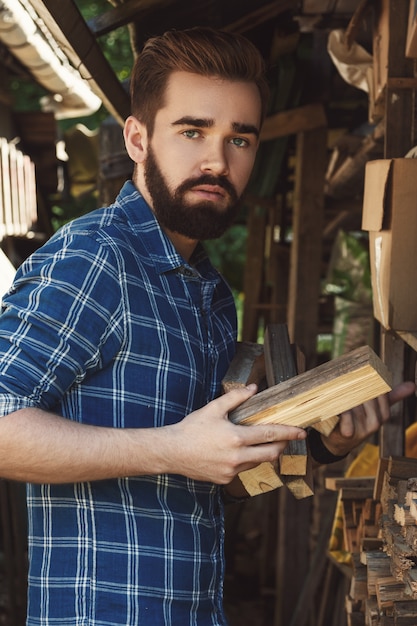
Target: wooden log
320 393
248 366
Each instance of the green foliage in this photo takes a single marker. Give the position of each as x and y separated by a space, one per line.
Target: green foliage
116 45
228 255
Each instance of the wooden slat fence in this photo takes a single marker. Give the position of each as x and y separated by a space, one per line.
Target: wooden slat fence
18 207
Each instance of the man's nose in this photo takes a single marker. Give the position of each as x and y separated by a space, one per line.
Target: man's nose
215 160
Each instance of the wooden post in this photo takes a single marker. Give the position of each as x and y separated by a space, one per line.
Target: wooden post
399 138
392 434
306 249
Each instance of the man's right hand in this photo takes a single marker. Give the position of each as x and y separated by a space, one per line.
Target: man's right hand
207 446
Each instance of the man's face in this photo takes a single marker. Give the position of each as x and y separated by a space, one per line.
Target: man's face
201 154
200 220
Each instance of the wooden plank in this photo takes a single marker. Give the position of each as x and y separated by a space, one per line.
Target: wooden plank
306 247
293 121
334 483
379 479
402 467
320 393
295 466
389 590
259 16
356 493
280 366
392 441
248 365
399 101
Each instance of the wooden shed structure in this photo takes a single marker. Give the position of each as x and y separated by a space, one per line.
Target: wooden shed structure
343 83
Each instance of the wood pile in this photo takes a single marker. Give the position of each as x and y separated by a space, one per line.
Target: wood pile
311 398
380 531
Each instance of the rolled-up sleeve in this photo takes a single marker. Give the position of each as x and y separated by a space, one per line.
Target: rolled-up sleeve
61 319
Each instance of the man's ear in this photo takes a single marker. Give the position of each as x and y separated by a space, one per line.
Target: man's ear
136 139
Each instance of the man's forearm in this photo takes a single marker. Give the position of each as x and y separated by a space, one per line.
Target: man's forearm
39 447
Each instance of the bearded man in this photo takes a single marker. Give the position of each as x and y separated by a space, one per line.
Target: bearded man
114 339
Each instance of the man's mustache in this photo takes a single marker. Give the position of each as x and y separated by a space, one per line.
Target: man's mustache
209 179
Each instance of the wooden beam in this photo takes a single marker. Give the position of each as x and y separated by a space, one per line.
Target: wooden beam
335 483
320 393
260 16
392 438
294 121
125 13
399 100
66 24
306 247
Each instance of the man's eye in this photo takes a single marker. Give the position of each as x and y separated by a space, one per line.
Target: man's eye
240 142
191 134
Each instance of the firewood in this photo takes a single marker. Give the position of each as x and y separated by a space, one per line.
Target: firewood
260 479
389 590
320 393
281 362
245 366
280 366
248 366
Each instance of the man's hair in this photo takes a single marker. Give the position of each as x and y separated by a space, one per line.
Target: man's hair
199 50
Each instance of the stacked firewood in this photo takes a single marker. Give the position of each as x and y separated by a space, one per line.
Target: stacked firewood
380 531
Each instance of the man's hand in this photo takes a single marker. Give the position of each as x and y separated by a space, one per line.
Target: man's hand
359 423
207 446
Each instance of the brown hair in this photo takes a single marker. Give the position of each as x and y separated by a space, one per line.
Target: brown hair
198 50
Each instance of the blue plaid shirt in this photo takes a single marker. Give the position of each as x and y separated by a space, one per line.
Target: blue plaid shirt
107 325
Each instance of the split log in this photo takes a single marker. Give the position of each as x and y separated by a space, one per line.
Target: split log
295 465
280 366
320 393
260 479
248 366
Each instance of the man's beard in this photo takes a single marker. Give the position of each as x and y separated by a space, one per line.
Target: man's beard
197 221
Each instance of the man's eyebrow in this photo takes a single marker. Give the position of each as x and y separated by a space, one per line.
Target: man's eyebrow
245 129
201 122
